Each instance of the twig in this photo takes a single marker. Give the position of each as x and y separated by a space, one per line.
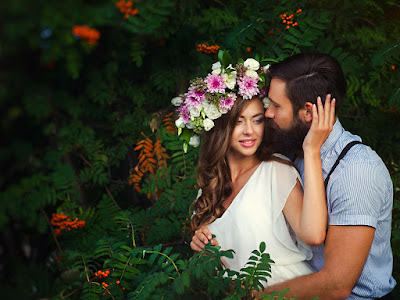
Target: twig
367 21
85 160
52 230
121 182
70 294
111 196
220 3
182 242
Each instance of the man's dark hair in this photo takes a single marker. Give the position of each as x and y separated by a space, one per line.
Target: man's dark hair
309 75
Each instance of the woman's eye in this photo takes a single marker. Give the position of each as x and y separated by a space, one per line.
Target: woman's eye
259 121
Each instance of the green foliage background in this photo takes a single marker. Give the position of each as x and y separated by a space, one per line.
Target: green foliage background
71 114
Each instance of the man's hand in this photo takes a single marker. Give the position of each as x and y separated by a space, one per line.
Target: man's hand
201 238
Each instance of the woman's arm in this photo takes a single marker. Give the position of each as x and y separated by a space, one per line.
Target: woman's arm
308 214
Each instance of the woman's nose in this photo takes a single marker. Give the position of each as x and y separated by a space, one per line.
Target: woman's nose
248 128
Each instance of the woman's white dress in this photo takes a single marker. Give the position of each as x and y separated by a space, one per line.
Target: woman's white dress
255 215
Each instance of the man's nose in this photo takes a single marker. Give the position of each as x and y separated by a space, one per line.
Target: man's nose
269 113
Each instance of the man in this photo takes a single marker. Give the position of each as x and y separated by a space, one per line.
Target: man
356 261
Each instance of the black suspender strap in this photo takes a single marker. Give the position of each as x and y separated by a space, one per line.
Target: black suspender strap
342 154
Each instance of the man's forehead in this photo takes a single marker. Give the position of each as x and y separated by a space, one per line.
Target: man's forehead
278 95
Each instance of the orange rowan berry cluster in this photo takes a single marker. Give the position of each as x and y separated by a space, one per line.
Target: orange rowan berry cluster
207 49
126 8
118 282
102 274
391 109
288 19
61 221
105 285
186 224
84 32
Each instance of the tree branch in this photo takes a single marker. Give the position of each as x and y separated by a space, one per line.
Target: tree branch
52 230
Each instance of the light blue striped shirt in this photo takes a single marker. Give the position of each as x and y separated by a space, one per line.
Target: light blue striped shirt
359 192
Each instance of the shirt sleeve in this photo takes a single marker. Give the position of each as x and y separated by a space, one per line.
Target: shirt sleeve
357 195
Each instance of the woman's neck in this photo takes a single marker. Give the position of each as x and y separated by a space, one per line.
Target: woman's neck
241 165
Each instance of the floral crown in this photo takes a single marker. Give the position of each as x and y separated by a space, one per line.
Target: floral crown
209 98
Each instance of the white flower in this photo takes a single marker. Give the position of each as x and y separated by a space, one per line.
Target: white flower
211 111
195 111
179 123
208 124
177 101
266 101
251 64
230 67
230 79
251 73
265 68
216 68
194 141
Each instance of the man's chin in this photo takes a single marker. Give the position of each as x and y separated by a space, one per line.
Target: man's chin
289 141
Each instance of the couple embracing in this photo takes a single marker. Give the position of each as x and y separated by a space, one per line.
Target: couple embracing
277 166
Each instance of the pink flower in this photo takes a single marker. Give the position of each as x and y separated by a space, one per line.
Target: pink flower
184 113
215 83
248 87
194 98
227 103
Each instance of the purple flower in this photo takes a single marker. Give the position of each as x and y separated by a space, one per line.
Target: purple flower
227 103
215 83
248 87
194 98
184 113
263 92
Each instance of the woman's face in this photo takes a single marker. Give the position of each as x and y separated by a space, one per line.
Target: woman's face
248 132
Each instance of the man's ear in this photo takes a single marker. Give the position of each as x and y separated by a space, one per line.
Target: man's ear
305 113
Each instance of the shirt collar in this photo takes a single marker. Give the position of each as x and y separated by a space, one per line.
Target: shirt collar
335 134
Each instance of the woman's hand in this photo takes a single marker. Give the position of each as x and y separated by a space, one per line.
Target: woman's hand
322 124
201 238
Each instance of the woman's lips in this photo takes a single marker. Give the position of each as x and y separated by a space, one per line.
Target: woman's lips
247 143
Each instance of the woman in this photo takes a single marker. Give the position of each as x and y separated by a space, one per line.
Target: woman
247 195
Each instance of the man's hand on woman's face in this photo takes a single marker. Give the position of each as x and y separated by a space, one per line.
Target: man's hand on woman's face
201 238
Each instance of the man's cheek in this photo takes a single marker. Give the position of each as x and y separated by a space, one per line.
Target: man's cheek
275 126
271 124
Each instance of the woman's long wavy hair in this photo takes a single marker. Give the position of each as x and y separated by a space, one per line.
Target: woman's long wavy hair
213 173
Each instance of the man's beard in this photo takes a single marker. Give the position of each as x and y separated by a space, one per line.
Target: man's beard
289 141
